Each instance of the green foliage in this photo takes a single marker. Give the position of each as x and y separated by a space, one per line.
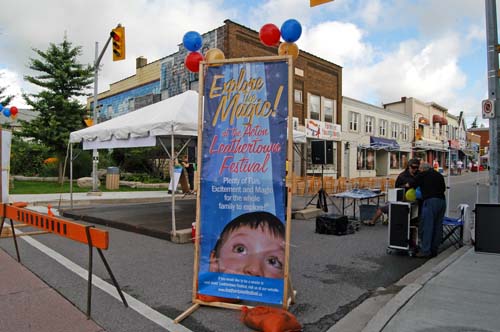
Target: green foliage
62 79
27 157
474 123
141 160
142 177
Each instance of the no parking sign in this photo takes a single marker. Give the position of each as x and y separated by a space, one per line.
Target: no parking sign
488 109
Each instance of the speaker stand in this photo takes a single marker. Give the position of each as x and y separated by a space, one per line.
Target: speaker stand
321 195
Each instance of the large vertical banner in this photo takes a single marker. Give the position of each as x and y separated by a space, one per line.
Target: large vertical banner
5 141
242 213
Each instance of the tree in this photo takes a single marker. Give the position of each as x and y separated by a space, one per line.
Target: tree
4 100
62 80
474 123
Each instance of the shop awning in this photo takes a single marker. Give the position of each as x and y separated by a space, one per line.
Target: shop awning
439 119
379 143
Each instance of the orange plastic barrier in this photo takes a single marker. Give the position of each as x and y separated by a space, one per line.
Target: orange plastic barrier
56 225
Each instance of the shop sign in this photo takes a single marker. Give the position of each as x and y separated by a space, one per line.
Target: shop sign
322 130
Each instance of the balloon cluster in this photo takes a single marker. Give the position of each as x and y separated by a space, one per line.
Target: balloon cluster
192 41
9 112
290 32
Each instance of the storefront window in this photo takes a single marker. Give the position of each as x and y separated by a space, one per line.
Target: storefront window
399 159
365 159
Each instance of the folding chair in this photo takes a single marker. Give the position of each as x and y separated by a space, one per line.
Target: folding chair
453 228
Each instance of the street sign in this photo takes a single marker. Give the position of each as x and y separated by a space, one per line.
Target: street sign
488 109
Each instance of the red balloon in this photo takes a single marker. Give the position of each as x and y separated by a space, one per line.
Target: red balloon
269 34
192 61
13 111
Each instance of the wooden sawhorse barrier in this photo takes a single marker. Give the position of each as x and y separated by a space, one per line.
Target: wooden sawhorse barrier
93 237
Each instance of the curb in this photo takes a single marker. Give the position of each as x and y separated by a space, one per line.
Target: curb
387 312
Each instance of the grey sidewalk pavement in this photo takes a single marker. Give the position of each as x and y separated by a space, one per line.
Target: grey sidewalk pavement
456 291
28 304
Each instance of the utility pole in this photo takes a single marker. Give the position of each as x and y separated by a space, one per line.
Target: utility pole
493 95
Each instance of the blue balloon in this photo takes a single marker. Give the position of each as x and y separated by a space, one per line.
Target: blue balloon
192 41
291 30
419 193
1 107
6 111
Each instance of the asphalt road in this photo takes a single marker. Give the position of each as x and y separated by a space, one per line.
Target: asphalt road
331 274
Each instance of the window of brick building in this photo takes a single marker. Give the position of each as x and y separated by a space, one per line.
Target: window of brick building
314 108
297 96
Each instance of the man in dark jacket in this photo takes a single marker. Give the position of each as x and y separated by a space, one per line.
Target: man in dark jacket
406 180
432 187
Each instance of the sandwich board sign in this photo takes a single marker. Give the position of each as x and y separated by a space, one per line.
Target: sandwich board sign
243 221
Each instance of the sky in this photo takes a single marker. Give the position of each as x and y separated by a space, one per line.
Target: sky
432 50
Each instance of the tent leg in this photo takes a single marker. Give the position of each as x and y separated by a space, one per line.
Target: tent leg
172 163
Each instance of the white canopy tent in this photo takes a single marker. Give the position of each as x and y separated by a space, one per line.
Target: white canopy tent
175 117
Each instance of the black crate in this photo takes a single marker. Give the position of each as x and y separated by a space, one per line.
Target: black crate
332 224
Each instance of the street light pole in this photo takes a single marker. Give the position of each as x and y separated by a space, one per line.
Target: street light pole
95 152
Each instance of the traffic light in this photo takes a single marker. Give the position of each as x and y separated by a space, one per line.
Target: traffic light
88 122
118 38
313 3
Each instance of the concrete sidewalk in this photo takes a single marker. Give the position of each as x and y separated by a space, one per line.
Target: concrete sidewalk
459 293
29 305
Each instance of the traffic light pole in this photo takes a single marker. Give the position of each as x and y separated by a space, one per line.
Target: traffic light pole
95 152
493 95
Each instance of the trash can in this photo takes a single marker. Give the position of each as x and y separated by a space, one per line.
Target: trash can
113 178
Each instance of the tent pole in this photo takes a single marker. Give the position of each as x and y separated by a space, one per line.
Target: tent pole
172 178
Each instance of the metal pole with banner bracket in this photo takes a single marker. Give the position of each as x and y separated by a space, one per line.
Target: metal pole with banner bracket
493 95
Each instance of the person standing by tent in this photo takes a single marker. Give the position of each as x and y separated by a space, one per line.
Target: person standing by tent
189 169
433 187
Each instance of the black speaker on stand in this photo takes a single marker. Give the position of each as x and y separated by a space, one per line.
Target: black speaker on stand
321 154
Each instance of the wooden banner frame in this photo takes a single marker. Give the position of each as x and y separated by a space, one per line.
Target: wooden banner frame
288 292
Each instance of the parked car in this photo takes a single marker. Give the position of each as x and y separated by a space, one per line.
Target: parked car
474 167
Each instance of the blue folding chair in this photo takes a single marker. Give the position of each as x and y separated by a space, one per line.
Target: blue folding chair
453 228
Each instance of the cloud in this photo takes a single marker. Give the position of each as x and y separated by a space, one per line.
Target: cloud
371 11
154 29
12 84
388 48
340 43
428 72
